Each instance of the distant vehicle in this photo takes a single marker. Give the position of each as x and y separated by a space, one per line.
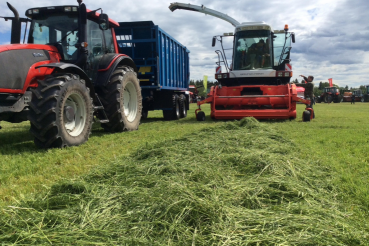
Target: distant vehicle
347 96
330 94
366 94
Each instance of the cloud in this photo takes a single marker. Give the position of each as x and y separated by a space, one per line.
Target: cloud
331 35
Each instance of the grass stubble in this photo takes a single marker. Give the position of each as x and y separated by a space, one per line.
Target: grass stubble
235 183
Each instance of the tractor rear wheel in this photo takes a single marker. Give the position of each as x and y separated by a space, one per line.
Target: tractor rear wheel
183 106
306 116
174 113
61 112
122 101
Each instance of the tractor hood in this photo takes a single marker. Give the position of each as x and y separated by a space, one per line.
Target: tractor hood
18 62
7 47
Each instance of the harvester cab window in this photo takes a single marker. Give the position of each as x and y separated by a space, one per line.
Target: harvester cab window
282 47
56 29
252 50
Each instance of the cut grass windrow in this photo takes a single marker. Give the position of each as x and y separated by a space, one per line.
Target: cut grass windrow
236 183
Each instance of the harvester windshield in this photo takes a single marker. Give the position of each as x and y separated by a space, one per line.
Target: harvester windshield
281 47
56 28
252 50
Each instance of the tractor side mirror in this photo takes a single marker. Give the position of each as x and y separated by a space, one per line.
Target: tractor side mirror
293 37
214 41
104 21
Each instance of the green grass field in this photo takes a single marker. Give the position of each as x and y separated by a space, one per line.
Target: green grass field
193 183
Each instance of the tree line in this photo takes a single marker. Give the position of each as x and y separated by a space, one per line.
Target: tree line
318 88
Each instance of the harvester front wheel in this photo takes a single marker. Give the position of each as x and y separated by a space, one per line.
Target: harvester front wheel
174 113
200 116
122 101
183 106
61 112
306 116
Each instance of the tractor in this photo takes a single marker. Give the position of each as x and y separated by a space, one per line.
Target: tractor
257 83
330 94
68 75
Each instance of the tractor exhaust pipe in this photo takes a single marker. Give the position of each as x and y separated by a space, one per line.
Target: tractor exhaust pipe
16 25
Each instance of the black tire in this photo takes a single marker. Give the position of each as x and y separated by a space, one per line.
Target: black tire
183 106
200 116
61 112
144 114
174 113
306 116
326 99
122 115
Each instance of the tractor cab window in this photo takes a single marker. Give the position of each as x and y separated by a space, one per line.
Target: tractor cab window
252 50
331 90
61 30
109 41
282 47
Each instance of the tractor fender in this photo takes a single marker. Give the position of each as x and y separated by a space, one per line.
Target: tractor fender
109 63
71 68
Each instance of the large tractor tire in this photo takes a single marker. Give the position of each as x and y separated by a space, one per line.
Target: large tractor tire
61 112
174 113
182 106
122 101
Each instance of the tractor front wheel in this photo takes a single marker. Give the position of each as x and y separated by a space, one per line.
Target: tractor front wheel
61 112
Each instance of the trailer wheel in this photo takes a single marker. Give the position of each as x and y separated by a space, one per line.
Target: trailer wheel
61 112
183 106
306 116
174 113
200 116
144 114
122 101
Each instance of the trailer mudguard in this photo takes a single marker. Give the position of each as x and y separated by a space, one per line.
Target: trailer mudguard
71 68
109 63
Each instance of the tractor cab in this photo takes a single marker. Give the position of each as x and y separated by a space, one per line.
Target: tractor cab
58 26
81 36
331 90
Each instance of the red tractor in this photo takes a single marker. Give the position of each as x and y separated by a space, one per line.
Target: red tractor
68 72
330 94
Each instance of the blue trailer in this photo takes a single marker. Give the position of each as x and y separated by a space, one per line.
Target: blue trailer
163 67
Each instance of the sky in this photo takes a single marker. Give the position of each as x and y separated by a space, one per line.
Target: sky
332 36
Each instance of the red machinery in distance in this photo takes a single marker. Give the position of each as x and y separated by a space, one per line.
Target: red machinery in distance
257 84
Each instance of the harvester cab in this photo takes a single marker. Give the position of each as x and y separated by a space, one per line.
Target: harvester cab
69 71
257 83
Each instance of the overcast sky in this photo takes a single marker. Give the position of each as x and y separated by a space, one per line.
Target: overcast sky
332 36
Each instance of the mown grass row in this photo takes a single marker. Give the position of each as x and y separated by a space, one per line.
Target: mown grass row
234 183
